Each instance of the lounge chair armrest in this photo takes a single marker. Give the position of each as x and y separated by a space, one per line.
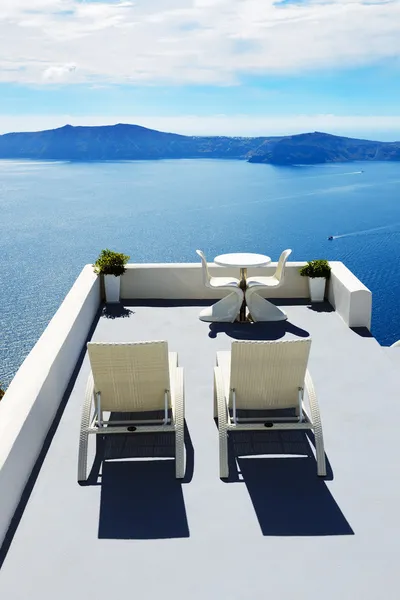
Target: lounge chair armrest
89 396
312 398
220 403
85 422
178 398
317 424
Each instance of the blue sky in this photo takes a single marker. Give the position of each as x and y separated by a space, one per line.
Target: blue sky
237 67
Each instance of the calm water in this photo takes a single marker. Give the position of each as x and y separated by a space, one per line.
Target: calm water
55 217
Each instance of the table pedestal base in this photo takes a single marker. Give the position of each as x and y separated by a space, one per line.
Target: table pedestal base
242 285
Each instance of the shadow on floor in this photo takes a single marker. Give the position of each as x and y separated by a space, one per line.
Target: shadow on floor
257 331
289 498
362 332
320 307
163 303
116 311
289 301
141 500
143 445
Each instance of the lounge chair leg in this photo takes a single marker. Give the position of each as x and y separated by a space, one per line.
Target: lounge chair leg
179 410
222 423
320 453
223 454
82 460
84 436
179 455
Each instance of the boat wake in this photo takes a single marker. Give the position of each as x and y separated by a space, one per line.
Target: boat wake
328 174
365 231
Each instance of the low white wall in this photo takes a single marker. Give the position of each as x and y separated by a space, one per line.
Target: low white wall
178 281
349 297
30 403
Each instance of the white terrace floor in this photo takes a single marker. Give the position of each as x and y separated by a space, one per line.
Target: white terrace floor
274 531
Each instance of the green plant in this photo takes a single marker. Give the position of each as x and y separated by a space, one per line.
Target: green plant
316 268
111 263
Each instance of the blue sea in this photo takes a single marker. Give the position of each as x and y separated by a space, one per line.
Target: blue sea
57 216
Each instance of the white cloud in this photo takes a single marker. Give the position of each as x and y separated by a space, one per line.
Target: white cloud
372 127
191 41
58 72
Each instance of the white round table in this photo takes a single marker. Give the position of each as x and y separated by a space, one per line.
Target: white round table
244 261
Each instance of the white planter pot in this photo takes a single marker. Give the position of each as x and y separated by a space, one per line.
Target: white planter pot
112 287
317 288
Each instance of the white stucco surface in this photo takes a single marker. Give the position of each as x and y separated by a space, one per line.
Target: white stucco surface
273 530
349 296
34 395
184 281
33 398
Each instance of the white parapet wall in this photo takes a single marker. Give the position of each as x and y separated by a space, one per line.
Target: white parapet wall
29 406
184 281
178 281
349 297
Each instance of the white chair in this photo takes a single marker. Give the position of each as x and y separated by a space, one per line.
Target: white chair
266 377
227 309
141 378
260 309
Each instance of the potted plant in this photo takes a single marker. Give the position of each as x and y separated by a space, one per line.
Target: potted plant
317 271
111 265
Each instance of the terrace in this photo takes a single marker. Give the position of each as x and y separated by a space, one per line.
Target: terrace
274 528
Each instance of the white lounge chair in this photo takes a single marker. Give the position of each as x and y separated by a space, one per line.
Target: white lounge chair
259 308
227 309
269 377
140 377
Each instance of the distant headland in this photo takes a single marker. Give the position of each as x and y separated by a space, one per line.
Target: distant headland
132 142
